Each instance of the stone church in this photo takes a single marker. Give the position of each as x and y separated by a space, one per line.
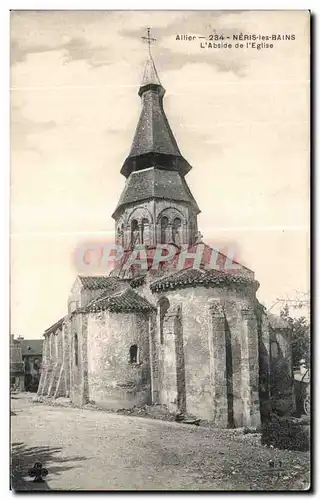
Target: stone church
191 337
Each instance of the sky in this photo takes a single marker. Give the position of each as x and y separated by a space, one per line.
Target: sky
240 118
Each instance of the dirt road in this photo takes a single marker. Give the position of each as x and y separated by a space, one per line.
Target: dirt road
95 450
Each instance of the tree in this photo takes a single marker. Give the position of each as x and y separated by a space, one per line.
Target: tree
300 334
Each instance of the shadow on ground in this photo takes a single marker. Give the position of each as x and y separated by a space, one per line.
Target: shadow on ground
23 459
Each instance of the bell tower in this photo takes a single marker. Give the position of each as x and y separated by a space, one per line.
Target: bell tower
156 205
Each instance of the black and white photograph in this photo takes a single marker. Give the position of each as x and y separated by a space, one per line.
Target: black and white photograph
160 250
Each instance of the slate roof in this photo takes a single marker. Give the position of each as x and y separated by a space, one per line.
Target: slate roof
200 277
126 300
96 282
153 133
31 347
155 183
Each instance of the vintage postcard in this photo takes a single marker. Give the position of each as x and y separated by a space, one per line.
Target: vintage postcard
160 319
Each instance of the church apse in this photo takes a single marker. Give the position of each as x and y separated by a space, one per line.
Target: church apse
119 365
188 337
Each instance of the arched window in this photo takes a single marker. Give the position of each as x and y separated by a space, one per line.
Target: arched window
144 231
177 231
119 235
133 353
164 229
134 232
163 306
76 349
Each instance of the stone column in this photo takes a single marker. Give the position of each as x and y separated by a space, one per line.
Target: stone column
127 235
217 350
66 359
53 347
154 361
83 319
180 365
249 368
44 363
170 370
140 226
264 367
49 347
169 233
185 233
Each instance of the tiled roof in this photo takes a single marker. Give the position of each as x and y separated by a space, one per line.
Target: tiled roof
55 326
199 277
156 183
222 259
96 282
124 301
136 274
31 346
135 282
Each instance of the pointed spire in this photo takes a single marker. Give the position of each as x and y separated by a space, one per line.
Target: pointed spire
154 143
150 75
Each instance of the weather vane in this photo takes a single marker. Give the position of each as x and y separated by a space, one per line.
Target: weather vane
148 39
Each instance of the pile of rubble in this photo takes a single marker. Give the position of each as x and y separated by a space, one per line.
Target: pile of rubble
158 412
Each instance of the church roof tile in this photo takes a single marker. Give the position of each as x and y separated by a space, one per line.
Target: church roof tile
96 282
55 326
200 277
124 301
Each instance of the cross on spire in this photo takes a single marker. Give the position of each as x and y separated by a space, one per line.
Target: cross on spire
148 39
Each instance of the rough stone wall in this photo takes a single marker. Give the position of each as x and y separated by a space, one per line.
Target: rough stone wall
243 392
80 297
44 364
57 364
171 358
78 360
47 379
205 356
112 379
66 373
264 364
74 299
154 358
